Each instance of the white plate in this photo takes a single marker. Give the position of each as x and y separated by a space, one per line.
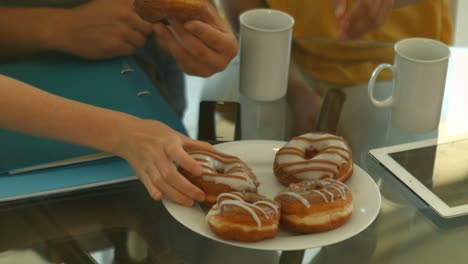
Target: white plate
259 155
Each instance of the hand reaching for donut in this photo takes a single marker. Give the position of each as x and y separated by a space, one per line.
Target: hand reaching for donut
152 148
201 47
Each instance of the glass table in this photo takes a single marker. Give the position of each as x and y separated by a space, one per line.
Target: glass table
121 224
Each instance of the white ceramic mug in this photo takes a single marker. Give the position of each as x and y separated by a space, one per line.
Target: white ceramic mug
265 53
419 73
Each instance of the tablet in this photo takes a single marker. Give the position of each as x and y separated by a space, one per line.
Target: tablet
435 169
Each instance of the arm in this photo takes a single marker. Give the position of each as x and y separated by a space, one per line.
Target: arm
99 29
24 31
149 146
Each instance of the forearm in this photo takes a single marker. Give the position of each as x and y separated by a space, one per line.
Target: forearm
29 110
26 31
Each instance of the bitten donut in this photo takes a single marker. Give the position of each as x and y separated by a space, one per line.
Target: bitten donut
313 156
315 206
221 173
244 217
157 10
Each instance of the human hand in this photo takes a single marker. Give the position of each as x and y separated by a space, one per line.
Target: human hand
363 17
101 29
152 148
201 47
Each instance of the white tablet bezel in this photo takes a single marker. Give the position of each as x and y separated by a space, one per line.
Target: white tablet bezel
382 156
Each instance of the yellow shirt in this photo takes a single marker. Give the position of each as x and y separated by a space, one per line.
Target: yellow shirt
352 63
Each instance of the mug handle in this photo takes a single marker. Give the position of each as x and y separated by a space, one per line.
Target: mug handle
370 88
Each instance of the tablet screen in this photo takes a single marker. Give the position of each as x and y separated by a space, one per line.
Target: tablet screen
443 169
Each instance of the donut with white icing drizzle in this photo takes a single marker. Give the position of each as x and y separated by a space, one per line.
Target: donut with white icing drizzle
313 156
244 216
221 173
315 206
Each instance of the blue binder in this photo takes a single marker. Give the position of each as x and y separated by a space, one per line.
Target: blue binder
118 84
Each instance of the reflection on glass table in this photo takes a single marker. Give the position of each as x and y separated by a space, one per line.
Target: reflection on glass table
121 223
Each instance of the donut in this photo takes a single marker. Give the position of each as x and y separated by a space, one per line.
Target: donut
313 156
157 10
244 216
221 173
315 206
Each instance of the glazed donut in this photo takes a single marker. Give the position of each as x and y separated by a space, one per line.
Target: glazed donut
315 206
157 10
313 156
221 173
244 217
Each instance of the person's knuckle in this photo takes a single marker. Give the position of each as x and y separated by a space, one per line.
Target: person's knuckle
157 181
232 52
199 53
123 14
127 50
153 193
170 148
139 41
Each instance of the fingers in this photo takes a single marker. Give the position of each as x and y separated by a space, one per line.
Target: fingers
160 177
171 182
172 192
141 25
340 7
207 44
184 59
145 178
196 144
189 41
178 154
136 39
201 47
213 38
365 16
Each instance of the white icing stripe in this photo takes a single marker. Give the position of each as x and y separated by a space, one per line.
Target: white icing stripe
332 197
242 205
321 194
340 191
229 195
298 197
342 185
258 208
272 205
235 183
214 155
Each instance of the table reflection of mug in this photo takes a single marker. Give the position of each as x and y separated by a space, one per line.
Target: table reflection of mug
419 73
265 53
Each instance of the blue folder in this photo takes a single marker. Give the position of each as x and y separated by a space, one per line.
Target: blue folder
65 178
118 84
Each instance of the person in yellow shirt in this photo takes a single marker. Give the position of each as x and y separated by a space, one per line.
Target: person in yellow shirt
351 63
324 57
